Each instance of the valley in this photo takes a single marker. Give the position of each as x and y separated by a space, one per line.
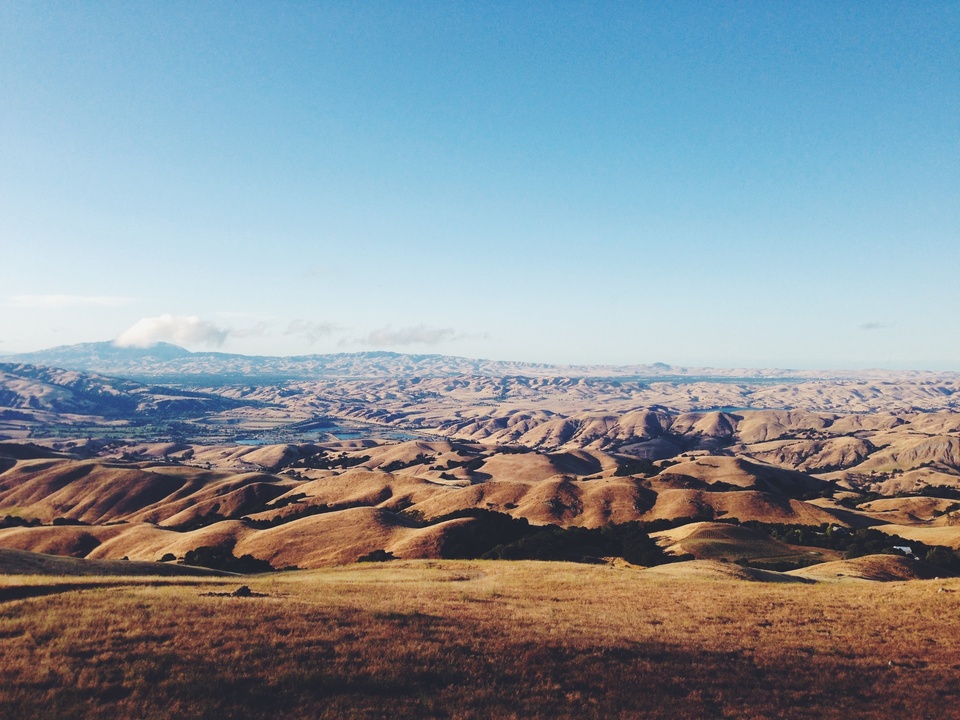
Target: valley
394 458
515 545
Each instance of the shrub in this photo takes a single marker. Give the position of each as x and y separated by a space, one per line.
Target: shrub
489 529
221 558
638 466
497 536
68 521
377 556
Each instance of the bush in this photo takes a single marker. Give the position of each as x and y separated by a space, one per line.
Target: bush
10 521
944 558
497 536
638 466
221 558
489 529
554 543
377 556
628 541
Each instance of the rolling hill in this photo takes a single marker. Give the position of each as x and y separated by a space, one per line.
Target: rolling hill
322 460
333 504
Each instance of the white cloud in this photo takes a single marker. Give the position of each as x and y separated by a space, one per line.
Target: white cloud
65 301
414 335
876 326
177 329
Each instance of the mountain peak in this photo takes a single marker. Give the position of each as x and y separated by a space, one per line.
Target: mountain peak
85 353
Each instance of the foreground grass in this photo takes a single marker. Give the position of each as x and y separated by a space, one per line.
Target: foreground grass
478 640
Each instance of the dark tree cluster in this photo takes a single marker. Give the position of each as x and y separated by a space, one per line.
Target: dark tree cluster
323 461
854 543
497 536
221 557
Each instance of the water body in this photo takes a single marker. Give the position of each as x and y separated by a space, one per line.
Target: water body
327 434
378 434
726 409
719 379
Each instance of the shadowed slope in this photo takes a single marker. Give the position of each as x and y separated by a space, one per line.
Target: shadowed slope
19 562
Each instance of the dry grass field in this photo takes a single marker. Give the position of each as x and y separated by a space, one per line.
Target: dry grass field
448 639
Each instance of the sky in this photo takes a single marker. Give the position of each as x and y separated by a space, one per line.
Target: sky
730 184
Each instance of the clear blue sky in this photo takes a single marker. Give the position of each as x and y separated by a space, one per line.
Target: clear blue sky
729 184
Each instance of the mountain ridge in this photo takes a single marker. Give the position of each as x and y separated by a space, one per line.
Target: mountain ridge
166 361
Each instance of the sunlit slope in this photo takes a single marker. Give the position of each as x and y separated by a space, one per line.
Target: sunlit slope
95 492
710 540
878 568
338 503
716 570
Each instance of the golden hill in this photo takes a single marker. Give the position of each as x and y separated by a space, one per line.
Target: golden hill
717 570
336 502
710 540
877 568
743 473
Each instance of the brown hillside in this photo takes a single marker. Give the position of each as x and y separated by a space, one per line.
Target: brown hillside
744 473
909 510
337 538
932 534
716 570
763 425
709 540
72 541
813 455
148 542
744 505
712 424
943 451
880 568
97 492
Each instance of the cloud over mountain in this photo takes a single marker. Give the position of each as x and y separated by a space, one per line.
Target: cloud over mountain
177 329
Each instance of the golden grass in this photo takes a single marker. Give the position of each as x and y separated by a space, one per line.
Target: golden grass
869 568
480 640
948 535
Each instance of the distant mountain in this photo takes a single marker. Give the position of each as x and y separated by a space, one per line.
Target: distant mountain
171 363
85 355
164 362
63 391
